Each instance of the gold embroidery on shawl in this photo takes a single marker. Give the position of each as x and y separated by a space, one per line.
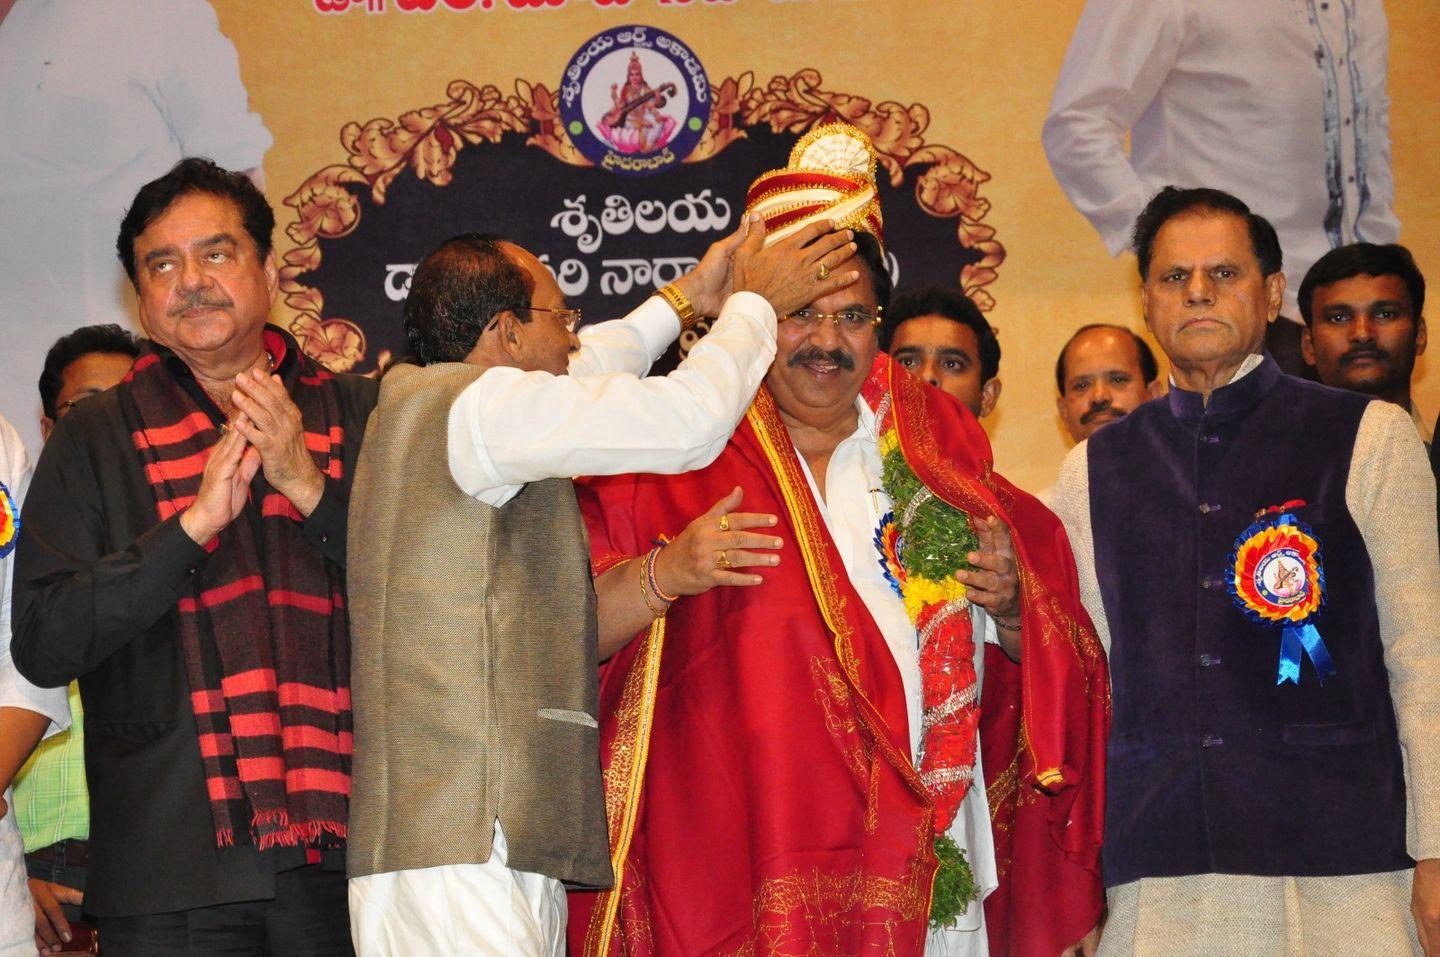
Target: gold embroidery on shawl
1006 787
833 695
829 903
636 935
764 419
603 563
795 490
624 777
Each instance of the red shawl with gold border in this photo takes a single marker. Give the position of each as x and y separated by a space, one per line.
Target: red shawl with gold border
759 788
1043 721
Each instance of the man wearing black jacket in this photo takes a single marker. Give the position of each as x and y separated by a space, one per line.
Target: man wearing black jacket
182 555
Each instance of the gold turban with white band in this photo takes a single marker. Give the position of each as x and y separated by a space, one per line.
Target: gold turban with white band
831 175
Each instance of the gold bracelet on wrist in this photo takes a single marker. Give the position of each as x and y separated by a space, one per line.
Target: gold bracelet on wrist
654 580
1009 624
677 300
645 591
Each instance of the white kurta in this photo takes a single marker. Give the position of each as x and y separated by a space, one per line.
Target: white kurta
853 506
17 919
1390 494
511 427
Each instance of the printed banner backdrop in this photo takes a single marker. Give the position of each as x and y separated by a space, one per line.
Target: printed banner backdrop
501 165
585 130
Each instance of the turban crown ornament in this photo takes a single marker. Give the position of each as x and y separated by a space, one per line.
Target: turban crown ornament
830 175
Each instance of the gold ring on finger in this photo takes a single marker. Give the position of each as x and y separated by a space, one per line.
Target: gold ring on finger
824 272
722 560
725 522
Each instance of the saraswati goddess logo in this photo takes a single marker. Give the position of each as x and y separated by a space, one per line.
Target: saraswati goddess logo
635 100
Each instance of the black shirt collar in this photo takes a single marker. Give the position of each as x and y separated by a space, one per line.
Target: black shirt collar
282 347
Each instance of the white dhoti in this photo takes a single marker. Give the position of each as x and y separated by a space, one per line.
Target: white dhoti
476 910
17 914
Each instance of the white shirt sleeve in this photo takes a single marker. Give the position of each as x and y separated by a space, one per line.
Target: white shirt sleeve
1378 222
1118 59
510 427
15 691
632 344
982 624
198 87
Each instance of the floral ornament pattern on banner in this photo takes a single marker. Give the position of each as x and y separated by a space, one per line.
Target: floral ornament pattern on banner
9 522
922 544
1277 579
428 140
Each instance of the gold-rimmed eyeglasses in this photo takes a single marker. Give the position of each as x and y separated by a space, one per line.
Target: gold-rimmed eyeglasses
569 318
850 320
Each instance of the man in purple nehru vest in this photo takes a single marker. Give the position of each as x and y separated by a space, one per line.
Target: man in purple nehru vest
1258 554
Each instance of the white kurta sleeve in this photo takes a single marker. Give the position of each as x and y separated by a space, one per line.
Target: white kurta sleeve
15 691
632 344
511 427
1118 59
1391 496
1070 501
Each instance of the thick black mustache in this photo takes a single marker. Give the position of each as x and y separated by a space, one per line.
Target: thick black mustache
840 357
1099 409
1365 352
196 299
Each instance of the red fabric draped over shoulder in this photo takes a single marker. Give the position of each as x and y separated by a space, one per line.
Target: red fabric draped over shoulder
1044 721
778 812
759 787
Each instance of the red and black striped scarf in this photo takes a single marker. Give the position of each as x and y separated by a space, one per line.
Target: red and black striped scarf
263 628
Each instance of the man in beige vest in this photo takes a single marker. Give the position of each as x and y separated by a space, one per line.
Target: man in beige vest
477 770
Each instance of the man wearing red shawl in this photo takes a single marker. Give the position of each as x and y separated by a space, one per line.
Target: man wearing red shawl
787 767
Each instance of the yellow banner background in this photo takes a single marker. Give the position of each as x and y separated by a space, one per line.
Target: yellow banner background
985 70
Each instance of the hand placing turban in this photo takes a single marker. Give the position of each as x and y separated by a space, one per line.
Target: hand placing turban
831 175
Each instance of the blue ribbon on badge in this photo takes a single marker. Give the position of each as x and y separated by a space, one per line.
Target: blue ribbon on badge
1303 639
1277 579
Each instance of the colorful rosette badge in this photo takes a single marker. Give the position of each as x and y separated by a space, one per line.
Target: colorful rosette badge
890 544
1277 579
9 521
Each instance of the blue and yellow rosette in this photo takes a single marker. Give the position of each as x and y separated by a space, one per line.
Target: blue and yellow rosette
891 544
1277 579
9 522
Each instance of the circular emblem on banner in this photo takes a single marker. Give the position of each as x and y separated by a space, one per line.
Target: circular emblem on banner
635 100
1277 574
